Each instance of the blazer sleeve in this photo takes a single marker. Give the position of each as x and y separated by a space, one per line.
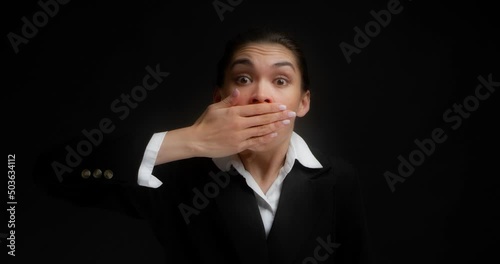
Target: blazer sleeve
104 176
91 171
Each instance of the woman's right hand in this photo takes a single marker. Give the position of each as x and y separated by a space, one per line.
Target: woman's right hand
225 129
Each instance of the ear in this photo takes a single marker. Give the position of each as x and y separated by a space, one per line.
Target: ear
305 103
217 94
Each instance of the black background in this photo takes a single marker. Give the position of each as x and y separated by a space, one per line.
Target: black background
369 111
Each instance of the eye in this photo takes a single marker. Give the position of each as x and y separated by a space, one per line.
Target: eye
243 80
281 81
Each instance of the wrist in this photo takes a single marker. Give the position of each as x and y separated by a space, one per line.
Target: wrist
177 144
192 142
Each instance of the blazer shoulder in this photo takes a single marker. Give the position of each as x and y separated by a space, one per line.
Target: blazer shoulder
345 173
342 165
337 162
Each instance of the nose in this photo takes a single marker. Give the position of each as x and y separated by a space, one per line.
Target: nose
261 94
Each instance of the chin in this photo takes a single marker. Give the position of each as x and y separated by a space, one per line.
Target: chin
262 148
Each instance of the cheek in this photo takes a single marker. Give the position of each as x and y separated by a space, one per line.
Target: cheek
292 100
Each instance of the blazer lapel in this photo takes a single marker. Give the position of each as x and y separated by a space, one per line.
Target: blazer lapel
241 220
303 197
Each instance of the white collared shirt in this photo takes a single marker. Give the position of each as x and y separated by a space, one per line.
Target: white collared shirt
267 202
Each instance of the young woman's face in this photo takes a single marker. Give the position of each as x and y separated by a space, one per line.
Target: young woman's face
267 73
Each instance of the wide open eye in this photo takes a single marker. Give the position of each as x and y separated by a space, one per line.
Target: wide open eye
243 80
281 81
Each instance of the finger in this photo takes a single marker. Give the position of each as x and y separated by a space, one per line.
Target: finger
257 141
259 109
265 119
263 130
230 100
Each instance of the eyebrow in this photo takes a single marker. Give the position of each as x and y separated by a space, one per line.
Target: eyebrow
248 62
283 64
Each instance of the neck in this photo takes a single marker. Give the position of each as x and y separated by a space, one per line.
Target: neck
264 166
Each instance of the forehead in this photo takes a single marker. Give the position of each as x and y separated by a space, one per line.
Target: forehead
271 52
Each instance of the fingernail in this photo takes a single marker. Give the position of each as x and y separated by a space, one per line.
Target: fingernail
274 134
282 107
235 93
286 122
291 114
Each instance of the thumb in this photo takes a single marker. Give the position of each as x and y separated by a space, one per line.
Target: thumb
230 100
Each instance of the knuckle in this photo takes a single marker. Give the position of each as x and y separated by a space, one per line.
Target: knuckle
269 118
264 130
274 108
231 111
211 107
272 127
237 125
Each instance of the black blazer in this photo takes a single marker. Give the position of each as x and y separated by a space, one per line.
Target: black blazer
202 215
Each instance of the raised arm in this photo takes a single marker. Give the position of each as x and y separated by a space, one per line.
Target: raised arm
225 128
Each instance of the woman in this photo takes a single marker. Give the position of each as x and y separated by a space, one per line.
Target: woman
239 185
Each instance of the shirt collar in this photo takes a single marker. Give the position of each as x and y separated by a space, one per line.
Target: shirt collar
297 150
